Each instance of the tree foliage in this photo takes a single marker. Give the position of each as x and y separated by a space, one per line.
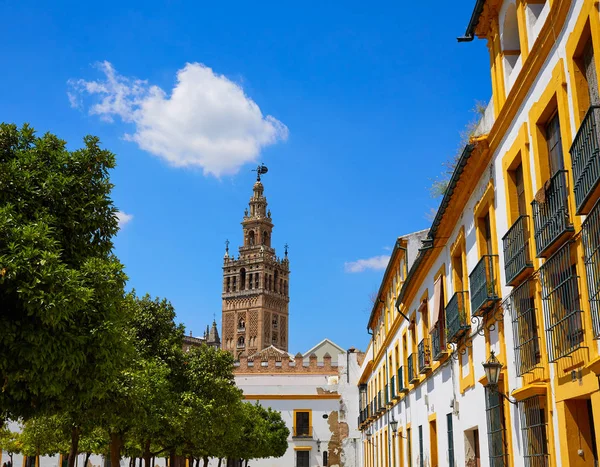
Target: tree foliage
59 281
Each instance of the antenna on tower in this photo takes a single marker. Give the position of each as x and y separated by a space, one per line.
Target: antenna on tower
227 246
286 249
260 170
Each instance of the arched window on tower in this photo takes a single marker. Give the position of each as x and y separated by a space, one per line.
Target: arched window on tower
241 325
228 285
256 280
234 285
275 289
243 279
265 238
275 322
241 342
511 44
285 288
251 238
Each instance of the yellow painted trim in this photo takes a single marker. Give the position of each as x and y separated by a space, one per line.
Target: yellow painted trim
468 381
594 365
302 448
290 396
432 417
310 425
522 25
535 389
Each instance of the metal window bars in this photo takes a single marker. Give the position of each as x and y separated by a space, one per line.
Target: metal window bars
534 426
561 301
551 218
585 159
521 304
517 256
590 232
496 427
456 317
482 284
424 355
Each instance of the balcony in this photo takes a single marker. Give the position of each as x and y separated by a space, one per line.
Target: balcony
517 258
590 231
424 353
551 221
393 393
241 345
438 342
585 160
387 396
456 317
483 285
302 431
380 405
401 387
241 329
412 375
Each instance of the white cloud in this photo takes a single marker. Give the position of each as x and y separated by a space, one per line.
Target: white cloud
376 263
123 218
206 121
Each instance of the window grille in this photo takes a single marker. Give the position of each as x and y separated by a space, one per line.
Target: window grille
302 458
450 440
496 427
591 242
421 460
562 310
534 430
525 329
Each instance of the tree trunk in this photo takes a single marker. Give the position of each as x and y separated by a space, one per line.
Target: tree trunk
87 458
75 432
131 462
147 454
115 449
246 463
220 460
172 461
205 461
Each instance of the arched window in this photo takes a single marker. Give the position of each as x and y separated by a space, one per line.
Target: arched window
242 279
241 342
509 39
250 282
275 289
241 324
275 322
256 280
251 238
228 286
265 238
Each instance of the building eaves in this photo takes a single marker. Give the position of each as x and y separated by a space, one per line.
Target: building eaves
426 250
470 32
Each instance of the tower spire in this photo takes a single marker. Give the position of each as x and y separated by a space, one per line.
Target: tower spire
255 285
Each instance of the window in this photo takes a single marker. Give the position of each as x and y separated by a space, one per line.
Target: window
251 238
534 430
591 242
450 440
519 183
302 426
409 445
486 230
438 328
256 280
241 342
421 460
241 324
228 287
525 329
325 456
589 66
234 284
496 427
250 281
302 458
243 279
560 297
554 142
511 43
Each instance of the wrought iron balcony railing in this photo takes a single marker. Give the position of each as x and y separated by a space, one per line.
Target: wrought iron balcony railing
438 341
585 161
401 385
302 431
424 356
551 220
590 230
412 374
483 285
393 393
517 257
456 317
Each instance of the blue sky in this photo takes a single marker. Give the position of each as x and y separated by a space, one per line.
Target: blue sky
353 106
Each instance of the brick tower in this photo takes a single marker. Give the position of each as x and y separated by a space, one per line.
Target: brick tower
255 285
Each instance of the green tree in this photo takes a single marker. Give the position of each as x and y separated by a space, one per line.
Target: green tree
9 442
60 284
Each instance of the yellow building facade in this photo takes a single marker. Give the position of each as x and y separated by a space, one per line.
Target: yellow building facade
508 276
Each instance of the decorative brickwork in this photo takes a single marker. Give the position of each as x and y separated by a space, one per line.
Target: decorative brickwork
278 364
255 283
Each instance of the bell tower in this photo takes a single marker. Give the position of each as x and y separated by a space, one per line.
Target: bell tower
255 284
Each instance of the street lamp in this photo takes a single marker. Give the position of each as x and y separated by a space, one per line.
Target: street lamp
492 372
492 369
394 426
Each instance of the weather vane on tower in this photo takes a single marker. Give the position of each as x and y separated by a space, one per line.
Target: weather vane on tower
261 169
